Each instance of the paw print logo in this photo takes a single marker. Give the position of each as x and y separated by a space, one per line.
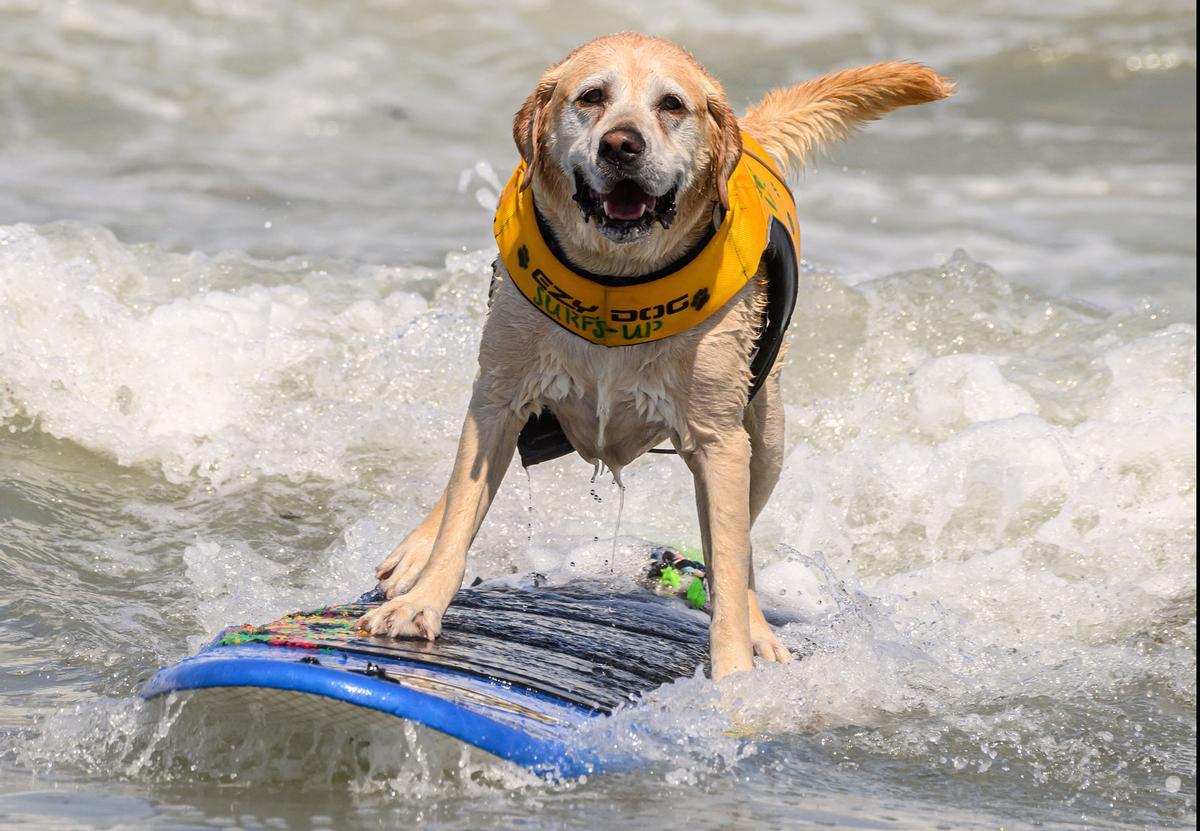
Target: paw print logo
523 257
699 299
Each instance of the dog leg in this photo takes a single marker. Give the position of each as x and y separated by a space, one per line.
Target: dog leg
489 437
720 465
404 565
765 425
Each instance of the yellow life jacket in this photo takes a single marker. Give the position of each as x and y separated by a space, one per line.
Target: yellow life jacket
627 311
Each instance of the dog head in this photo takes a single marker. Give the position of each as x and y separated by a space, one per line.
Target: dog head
628 143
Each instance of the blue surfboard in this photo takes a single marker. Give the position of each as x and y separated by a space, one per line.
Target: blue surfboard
516 672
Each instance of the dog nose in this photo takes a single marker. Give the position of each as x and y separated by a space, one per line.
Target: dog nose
621 145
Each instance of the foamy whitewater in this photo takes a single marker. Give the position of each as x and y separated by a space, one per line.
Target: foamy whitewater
235 353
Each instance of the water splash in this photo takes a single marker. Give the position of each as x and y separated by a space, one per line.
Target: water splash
983 536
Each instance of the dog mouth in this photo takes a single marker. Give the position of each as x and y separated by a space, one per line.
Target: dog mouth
626 211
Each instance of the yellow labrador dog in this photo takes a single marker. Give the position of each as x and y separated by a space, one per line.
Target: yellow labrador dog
629 300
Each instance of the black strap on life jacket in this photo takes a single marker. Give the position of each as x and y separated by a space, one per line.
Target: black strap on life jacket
542 438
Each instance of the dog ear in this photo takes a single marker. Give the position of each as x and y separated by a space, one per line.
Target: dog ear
531 124
728 145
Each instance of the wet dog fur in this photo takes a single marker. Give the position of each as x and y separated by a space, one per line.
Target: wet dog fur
626 128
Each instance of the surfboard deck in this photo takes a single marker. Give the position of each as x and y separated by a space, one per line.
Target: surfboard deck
516 672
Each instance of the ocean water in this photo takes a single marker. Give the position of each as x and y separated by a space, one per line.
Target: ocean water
244 254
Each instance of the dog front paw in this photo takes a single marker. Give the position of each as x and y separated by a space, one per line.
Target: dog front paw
728 658
769 647
766 644
403 567
404 617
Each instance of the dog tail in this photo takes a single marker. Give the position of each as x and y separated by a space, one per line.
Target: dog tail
793 122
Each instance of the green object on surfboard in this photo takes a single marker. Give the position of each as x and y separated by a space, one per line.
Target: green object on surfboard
696 595
669 577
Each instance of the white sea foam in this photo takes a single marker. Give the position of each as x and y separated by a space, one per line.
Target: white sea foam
147 357
985 525
988 493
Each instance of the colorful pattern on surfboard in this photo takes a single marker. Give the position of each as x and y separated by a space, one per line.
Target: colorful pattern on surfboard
516 672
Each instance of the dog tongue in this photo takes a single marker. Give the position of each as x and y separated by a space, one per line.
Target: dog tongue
627 201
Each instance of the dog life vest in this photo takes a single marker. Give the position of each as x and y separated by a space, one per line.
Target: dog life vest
624 311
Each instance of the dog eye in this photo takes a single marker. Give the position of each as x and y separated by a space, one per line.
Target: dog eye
671 103
592 96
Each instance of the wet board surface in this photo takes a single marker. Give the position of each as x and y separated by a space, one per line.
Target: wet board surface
516 671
